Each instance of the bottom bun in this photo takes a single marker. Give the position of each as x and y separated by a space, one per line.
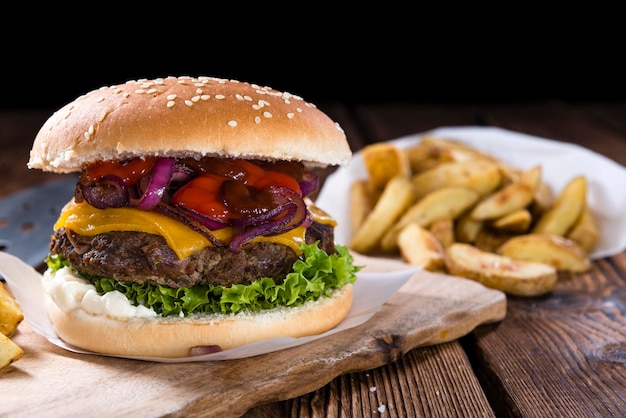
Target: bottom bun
174 336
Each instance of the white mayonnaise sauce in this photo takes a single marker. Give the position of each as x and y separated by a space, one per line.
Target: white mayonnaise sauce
70 292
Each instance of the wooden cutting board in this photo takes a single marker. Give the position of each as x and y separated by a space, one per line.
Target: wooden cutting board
50 381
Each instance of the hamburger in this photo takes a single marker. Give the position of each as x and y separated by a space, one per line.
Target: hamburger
192 228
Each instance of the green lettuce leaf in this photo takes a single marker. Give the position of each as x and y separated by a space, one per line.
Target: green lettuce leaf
314 275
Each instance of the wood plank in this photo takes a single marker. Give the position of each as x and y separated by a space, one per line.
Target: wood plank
16 137
390 121
429 309
427 382
592 126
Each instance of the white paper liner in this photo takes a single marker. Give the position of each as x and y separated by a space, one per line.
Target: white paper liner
371 290
560 162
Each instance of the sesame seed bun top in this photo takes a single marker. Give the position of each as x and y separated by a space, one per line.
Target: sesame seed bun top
187 116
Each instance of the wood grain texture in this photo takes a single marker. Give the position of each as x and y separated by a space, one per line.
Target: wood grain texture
429 309
405 388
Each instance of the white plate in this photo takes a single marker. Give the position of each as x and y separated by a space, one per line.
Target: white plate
560 163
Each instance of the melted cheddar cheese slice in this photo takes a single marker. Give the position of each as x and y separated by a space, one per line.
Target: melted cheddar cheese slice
84 219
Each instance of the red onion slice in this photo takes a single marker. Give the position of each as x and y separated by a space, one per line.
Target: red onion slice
108 192
196 221
205 349
294 213
309 183
159 180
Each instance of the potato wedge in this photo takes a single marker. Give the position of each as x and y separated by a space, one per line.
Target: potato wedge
585 231
419 247
9 351
479 175
444 203
560 252
515 277
384 161
397 196
425 155
490 239
517 221
11 314
443 230
431 151
467 229
543 199
362 201
567 208
513 197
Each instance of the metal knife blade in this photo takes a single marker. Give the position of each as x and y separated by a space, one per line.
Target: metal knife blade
28 216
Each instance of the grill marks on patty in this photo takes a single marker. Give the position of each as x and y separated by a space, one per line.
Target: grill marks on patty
146 258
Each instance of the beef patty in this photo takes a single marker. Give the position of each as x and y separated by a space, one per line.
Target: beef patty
146 258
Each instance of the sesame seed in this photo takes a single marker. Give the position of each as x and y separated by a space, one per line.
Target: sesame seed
91 130
126 94
171 96
239 96
267 114
220 96
247 98
152 91
189 103
100 100
86 135
195 98
205 97
290 115
140 91
232 123
199 90
257 119
170 103
298 110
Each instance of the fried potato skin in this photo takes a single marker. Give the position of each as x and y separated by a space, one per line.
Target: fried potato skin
465 196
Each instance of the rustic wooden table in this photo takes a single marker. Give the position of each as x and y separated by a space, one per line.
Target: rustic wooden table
559 355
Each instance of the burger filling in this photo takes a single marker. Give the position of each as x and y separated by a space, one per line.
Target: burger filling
184 236
146 258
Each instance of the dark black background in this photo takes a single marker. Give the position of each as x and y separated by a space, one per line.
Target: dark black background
383 56
349 79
